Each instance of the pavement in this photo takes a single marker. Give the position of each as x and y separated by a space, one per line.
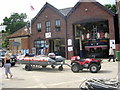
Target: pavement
53 78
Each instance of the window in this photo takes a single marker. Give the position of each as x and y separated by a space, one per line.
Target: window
40 44
57 25
39 27
47 24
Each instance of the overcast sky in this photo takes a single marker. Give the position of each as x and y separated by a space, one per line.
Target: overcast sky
8 7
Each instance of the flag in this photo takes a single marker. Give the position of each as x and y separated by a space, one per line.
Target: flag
32 8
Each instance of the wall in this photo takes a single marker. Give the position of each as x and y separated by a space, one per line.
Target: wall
93 11
48 14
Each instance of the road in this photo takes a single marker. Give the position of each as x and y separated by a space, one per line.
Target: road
53 78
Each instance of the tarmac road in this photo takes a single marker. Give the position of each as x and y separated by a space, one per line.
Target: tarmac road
53 78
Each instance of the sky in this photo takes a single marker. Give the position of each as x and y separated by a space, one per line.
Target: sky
9 7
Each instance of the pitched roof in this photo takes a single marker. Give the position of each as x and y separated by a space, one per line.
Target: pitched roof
50 6
20 33
65 11
95 2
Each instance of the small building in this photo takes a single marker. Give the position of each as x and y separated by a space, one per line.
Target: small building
85 29
19 41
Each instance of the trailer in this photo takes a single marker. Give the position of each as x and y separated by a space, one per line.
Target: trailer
44 61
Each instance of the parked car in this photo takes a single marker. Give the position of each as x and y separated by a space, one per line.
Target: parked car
2 57
14 59
92 64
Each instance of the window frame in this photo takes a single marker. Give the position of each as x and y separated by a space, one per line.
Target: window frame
39 26
57 25
48 26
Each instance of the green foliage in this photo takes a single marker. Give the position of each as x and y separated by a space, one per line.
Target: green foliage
5 44
14 22
111 7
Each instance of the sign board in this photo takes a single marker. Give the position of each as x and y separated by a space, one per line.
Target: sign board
15 43
112 44
48 35
34 50
69 42
70 48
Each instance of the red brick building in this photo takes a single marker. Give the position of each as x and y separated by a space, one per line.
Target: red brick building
88 27
19 41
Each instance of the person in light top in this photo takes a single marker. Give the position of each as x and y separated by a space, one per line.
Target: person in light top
111 54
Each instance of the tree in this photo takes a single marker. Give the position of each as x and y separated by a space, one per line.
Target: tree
14 22
111 7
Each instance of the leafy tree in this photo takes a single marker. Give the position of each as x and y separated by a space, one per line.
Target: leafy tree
14 22
111 7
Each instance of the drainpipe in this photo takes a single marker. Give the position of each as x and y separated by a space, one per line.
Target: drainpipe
66 37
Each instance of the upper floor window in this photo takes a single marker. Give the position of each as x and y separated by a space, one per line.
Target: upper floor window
47 24
57 25
39 26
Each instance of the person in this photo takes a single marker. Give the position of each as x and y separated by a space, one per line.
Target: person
111 54
7 65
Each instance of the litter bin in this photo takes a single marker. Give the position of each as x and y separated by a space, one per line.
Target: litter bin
118 55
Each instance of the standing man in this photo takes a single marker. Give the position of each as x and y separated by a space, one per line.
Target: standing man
111 54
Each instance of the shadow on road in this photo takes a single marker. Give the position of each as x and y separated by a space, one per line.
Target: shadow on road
105 71
51 70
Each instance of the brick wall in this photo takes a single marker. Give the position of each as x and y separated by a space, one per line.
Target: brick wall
48 14
93 11
25 43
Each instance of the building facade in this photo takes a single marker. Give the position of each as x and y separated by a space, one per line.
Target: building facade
49 31
86 28
19 41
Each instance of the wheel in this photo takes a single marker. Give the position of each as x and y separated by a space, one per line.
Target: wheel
99 67
60 68
12 64
28 67
75 68
0 64
94 68
53 66
44 66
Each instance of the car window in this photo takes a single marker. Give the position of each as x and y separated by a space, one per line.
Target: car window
2 53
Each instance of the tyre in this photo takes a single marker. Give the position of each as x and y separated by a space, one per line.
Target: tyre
94 68
75 68
60 68
99 67
0 64
12 64
28 67
44 66
53 66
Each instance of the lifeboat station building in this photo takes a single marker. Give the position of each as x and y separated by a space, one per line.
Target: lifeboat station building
87 30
